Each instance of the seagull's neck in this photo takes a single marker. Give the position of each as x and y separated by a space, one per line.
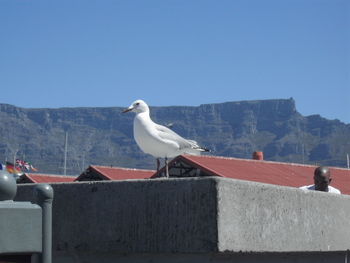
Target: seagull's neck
143 116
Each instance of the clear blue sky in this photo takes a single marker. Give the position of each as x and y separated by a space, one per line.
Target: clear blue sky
72 53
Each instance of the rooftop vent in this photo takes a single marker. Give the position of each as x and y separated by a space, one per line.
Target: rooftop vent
258 156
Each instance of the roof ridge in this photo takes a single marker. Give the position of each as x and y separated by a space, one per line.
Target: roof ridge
267 161
50 175
122 168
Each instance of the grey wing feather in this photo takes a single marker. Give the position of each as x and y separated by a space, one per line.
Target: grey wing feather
167 134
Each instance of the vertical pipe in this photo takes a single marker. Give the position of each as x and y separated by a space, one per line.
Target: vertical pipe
44 195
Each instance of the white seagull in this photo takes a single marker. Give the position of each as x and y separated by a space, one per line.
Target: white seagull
157 140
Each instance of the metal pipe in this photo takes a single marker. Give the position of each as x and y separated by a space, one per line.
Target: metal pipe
44 195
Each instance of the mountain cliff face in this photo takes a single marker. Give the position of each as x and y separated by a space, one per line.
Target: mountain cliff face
104 136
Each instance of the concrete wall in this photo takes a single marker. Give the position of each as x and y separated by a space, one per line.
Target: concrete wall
143 216
325 257
20 228
265 218
196 220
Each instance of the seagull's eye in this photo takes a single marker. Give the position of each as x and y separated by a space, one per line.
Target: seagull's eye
137 104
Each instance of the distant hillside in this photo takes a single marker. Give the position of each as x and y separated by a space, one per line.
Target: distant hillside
105 136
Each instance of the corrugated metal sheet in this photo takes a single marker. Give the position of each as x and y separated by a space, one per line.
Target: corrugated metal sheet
119 173
45 178
286 174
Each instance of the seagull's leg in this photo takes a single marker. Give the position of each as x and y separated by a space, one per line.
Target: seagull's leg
166 167
158 164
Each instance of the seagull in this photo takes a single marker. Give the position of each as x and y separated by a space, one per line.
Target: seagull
158 140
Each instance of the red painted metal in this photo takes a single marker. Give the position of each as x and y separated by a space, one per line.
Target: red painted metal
46 178
119 173
277 173
285 174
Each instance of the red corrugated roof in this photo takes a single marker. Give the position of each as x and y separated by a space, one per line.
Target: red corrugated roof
286 174
46 178
119 173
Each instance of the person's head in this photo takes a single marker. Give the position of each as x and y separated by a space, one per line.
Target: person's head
322 178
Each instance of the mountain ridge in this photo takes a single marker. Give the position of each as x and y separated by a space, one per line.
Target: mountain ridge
104 136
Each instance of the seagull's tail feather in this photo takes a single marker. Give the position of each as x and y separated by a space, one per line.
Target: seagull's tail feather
202 149
196 149
192 152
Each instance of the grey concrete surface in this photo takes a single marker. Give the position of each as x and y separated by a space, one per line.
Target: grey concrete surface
206 217
133 216
265 218
20 227
321 257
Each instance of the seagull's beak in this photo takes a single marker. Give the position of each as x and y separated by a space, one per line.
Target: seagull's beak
128 109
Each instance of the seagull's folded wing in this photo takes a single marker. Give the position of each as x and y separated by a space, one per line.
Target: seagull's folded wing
167 134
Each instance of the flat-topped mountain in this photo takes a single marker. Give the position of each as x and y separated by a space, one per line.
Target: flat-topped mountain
104 136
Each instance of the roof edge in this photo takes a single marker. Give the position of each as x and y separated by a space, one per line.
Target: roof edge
258 161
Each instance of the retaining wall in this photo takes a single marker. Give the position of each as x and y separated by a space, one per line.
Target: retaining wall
207 219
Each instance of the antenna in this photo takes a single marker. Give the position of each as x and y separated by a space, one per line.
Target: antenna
65 155
83 165
303 152
15 157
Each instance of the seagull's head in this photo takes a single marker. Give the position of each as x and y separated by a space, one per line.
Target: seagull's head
137 106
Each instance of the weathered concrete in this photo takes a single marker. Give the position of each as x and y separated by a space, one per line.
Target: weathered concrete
320 257
20 228
265 218
133 216
20 222
195 218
